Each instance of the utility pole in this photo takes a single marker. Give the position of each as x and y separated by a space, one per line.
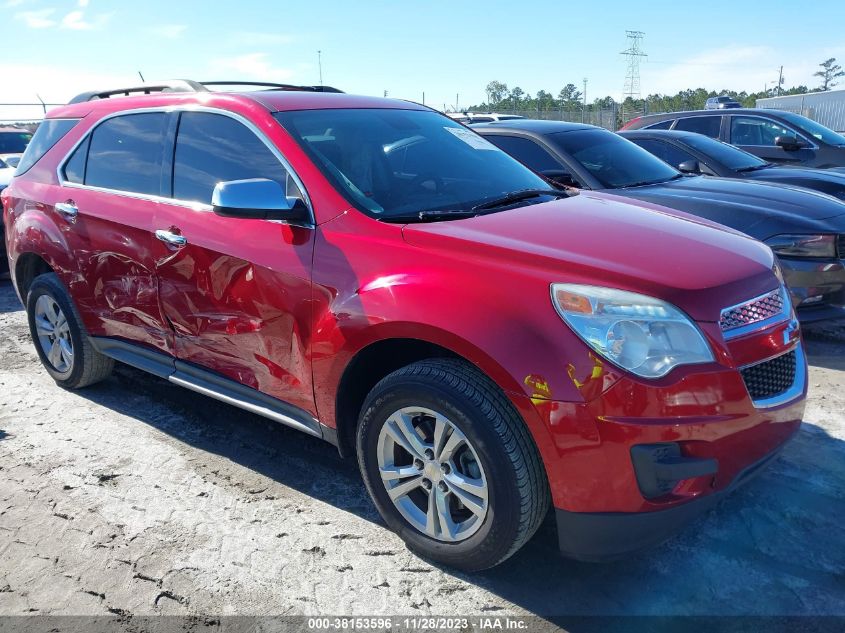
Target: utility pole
320 65
385 94
632 76
423 97
780 79
457 102
584 109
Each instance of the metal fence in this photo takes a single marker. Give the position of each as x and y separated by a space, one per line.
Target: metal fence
827 108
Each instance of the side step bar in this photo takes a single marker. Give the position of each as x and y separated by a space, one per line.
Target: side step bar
213 385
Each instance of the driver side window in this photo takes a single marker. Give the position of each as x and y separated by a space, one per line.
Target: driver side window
213 148
756 131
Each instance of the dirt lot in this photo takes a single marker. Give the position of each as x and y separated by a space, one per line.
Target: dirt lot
136 496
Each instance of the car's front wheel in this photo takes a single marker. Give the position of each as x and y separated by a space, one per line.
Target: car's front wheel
450 464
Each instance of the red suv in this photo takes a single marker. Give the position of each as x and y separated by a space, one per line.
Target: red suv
375 274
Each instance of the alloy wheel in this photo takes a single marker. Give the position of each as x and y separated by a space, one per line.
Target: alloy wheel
432 474
53 333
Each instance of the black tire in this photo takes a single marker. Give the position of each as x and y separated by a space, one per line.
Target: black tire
518 492
89 366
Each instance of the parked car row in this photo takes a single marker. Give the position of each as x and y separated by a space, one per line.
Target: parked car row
486 344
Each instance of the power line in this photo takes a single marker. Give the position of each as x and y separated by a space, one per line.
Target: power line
633 55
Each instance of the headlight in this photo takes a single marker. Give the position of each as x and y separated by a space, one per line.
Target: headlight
641 334
803 245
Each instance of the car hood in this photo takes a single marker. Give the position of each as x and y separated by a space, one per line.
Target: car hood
829 181
740 204
603 239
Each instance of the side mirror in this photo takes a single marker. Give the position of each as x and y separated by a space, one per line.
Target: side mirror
790 143
560 177
690 166
257 199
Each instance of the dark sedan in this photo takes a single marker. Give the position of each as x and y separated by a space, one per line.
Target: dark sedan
806 229
774 135
694 153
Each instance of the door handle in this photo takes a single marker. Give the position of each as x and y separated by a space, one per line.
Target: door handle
67 210
174 239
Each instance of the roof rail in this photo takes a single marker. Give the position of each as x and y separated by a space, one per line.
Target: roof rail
174 85
270 86
186 85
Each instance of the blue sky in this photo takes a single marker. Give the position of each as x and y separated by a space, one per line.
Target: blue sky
60 47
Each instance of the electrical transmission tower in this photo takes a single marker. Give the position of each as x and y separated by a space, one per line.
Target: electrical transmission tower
632 76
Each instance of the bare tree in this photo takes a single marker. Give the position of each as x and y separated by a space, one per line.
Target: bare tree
830 71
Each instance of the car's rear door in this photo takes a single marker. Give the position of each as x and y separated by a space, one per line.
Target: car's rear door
110 185
236 291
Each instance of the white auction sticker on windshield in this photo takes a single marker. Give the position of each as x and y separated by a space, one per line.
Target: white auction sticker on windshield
471 138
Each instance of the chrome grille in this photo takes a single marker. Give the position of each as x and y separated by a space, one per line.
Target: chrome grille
753 311
771 377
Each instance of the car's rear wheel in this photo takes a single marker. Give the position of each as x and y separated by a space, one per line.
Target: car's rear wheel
59 337
450 464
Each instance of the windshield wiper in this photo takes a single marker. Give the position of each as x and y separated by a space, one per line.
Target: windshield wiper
431 216
755 167
517 196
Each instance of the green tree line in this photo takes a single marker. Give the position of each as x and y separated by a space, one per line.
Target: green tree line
570 98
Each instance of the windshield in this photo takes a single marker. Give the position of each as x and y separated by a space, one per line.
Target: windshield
14 142
612 160
396 162
730 156
826 135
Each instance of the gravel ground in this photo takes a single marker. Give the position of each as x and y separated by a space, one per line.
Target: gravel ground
138 497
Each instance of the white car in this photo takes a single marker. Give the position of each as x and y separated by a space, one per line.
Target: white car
481 117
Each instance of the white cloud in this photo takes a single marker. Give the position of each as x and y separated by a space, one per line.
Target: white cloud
76 21
12 3
168 31
83 3
250 66
39 19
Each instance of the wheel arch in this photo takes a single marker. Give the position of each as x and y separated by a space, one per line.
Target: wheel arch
397 347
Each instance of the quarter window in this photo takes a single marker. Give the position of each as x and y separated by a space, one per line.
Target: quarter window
663 125
707 125
125 153
213 148
746 130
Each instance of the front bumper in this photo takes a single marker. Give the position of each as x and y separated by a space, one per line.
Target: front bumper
604 536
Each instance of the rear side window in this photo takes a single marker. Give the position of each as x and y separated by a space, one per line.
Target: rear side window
125 153
50 132
663 125
707 125
213 148
526 151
